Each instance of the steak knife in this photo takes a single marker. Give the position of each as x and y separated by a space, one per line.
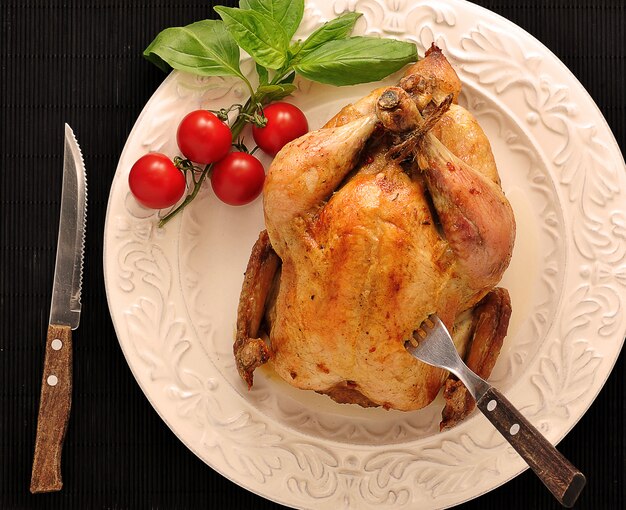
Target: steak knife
56 384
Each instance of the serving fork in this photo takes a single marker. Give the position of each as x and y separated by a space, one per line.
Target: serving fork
433 345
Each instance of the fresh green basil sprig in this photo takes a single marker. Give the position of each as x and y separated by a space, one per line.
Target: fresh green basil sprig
265 30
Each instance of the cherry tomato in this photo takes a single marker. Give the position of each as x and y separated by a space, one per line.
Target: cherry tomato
155 182
285 122
238 178
203 138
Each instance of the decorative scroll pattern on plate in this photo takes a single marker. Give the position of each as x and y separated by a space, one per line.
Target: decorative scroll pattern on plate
177 338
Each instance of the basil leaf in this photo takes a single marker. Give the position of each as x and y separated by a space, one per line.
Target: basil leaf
287 13
289 78
263 74
338 28
355 60
269 93
294 49
203 48
259 35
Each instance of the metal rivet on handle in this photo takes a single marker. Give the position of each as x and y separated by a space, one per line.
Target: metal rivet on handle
56 344
491 405
52 380
514 429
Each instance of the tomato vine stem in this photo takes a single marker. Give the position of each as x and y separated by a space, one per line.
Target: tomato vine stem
196 188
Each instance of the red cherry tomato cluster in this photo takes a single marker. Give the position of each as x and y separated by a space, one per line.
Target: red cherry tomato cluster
236 177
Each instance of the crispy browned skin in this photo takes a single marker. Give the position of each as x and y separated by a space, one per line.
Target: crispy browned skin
345 392
431 79
363 258
251 351
491 321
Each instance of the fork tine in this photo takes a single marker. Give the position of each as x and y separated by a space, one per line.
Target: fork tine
431 340
423 330
430 322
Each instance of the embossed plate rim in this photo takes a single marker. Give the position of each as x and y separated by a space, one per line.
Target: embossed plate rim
338 456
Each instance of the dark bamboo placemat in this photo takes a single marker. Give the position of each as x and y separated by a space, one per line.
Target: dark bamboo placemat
79 61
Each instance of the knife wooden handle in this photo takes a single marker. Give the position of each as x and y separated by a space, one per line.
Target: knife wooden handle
54 410
555 471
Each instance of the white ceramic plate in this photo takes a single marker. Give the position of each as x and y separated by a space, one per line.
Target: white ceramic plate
173 292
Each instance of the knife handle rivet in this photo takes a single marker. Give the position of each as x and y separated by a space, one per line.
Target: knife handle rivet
56 344
52 380
491 405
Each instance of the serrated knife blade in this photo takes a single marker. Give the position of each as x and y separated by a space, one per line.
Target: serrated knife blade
56 384
68 273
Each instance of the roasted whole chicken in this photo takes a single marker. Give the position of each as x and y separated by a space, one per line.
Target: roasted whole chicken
389 213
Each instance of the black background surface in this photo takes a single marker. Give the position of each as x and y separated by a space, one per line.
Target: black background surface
80 62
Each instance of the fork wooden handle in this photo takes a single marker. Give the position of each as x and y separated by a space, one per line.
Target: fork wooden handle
54 410
555 471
